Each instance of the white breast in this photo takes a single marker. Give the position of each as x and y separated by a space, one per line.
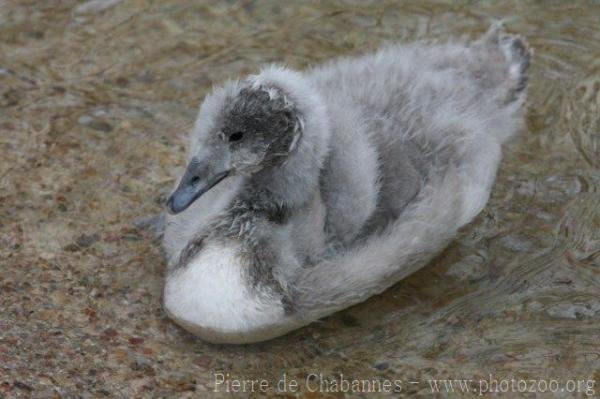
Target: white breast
210 297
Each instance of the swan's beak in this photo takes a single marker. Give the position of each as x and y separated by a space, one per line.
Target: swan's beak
199 177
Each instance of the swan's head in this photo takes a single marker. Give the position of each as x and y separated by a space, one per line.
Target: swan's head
244 127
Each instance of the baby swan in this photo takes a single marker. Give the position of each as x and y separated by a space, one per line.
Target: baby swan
308 192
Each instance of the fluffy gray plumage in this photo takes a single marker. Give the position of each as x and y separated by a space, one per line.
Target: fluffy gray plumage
308 192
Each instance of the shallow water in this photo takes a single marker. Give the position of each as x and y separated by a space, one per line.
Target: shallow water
94 110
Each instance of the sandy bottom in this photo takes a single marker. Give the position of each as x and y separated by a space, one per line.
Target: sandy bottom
95 102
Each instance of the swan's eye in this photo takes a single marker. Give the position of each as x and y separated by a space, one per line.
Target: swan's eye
237 136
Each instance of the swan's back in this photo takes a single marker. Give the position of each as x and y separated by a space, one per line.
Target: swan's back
440 112
412 108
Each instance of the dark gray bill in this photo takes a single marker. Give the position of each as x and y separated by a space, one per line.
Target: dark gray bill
196 181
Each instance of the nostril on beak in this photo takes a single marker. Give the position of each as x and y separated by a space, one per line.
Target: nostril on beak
195 180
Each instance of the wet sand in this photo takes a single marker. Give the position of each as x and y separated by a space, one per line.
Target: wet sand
95 105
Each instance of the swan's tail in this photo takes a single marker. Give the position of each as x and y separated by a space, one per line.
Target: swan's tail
506 59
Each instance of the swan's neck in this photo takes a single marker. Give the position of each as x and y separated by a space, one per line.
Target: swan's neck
294 181
290 185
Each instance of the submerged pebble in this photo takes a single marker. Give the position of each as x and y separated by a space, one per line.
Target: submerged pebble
574 311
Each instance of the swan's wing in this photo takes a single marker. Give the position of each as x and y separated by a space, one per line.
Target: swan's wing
424 228
468 130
